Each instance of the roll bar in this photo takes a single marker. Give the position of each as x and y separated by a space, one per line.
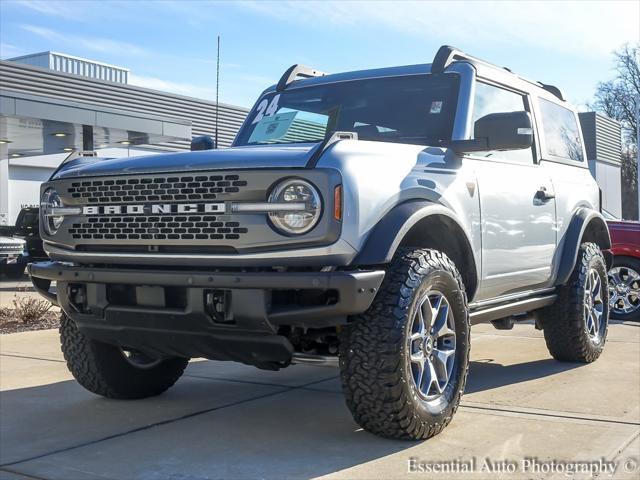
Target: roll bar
447 54
295 71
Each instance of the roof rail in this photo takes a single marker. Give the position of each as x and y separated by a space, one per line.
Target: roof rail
553 90
447 54
295 71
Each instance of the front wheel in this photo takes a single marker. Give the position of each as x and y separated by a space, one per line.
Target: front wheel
404 362
575 326
115 372
14 272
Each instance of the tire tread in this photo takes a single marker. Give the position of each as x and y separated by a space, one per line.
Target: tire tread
370 352
95 366
563 322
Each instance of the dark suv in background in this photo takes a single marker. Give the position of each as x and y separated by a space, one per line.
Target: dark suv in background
27 228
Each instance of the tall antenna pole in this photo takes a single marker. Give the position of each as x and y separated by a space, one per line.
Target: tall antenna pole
217 88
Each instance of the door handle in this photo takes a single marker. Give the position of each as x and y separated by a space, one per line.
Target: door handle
543 195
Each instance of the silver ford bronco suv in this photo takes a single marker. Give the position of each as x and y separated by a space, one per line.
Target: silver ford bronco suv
365 219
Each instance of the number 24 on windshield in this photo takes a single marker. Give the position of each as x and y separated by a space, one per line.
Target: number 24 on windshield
266 109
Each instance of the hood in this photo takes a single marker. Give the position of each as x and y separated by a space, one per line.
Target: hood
263 156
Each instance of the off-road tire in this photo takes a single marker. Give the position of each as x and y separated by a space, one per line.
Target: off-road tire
563 323
378 389
14 272
104 370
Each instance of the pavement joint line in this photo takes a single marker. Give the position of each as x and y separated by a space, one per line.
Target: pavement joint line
558 415
534 410
487 336
25 475
625 444
479 335
322 390
253 382
160 424
31 358
70 470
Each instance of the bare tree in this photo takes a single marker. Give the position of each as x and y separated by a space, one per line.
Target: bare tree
619 99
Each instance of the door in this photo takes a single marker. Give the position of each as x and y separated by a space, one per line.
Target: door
517 208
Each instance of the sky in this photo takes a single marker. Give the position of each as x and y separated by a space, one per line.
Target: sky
171 45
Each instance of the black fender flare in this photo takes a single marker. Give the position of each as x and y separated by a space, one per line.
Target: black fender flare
583 219
388 233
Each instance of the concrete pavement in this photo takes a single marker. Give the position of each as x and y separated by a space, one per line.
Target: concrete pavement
225 420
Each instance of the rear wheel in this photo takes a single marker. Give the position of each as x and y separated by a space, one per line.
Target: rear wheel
624 288
404 362
575 326
116 372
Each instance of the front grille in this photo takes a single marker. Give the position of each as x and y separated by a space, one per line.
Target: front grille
165 227
11 248
187 212
157 188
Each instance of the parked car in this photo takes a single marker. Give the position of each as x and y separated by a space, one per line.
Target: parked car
624 275
11 253
28 229
363 218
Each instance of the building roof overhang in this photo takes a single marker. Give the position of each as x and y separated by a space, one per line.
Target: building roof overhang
40 125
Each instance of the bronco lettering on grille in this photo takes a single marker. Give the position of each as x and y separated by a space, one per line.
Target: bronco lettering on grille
154 209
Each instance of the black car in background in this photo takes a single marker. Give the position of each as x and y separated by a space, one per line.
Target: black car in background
11 255
27 228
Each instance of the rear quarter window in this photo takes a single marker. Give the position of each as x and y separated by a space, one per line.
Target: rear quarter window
561 132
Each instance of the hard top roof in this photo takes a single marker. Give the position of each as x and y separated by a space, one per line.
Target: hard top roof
445 56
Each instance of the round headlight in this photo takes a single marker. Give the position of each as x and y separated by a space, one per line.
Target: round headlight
51 199
301 206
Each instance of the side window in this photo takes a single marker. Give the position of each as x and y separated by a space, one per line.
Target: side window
491 99
561 131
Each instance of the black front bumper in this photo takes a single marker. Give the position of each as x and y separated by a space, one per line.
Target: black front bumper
151 320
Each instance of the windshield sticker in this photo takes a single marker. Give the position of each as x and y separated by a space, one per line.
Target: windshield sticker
272 127
436 106
266 109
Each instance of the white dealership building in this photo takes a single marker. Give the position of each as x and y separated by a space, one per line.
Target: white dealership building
52 105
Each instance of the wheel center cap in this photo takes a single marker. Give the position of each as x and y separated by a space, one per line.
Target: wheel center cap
622 289
428 346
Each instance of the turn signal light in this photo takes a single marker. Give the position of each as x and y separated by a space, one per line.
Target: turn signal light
337 203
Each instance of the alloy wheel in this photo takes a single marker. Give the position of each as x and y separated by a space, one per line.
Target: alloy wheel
624 290
139 359
594 306
431 345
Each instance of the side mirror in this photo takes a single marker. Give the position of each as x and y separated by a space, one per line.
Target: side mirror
498 131
203 142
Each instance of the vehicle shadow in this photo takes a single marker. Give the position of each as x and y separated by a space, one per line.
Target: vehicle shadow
487 375
236 423
201 428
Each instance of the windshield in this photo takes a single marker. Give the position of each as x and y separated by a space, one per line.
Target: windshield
415 109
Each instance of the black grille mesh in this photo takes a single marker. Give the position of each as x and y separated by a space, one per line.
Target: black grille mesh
165 227
154 189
